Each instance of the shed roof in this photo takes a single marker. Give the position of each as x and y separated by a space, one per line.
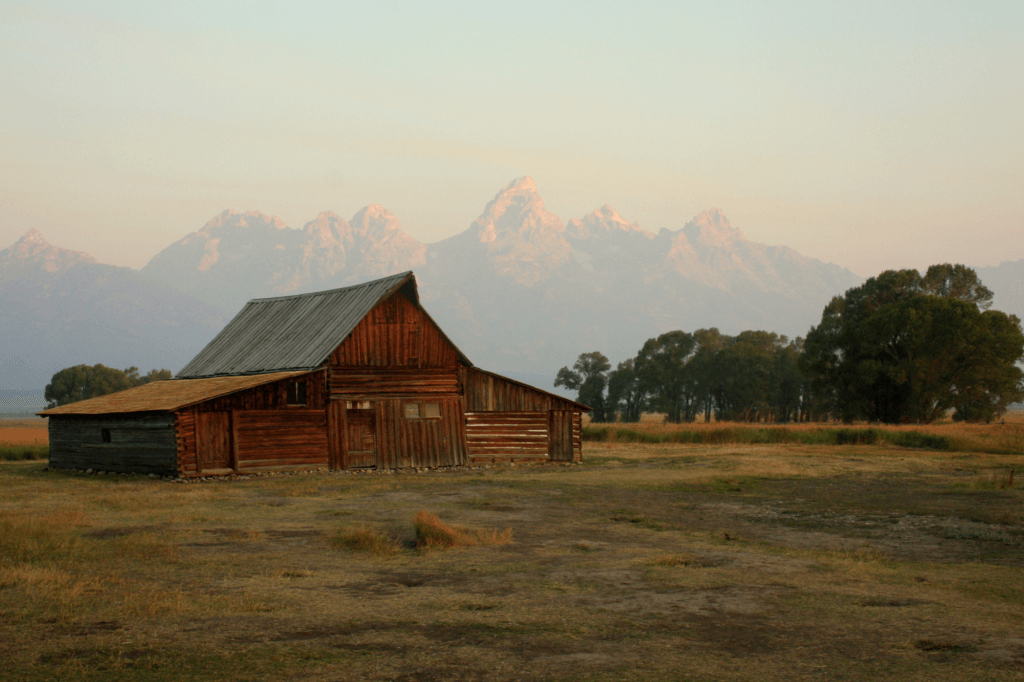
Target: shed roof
295 332
164 396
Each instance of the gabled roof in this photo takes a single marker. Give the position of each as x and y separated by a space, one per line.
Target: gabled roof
164 396
298 332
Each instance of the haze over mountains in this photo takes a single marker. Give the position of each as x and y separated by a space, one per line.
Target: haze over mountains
519 291
62 308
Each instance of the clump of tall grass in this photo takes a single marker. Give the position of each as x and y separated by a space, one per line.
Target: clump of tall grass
432 533
365 539
20 453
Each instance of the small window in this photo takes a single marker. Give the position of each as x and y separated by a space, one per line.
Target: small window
296 392
422 411
105 435
358 405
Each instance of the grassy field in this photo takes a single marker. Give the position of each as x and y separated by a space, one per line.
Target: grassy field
649 561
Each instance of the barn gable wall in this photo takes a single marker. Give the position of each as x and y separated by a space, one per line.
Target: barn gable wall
143 443
396 333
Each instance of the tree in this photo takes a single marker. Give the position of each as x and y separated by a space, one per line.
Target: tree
82 382
663 366
588 377
626 392
902 347
745 370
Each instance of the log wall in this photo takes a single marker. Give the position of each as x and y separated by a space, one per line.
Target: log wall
361 383
279 439
500 436
272 396
143 443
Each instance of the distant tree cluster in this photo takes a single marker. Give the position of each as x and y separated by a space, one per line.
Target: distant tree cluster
901 347
82 382
753 376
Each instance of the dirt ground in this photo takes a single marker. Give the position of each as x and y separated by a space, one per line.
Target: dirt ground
24 431
669 562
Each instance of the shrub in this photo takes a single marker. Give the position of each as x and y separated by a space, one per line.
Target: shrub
18 453
365 539
432 533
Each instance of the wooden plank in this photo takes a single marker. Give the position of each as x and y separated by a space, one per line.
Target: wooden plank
284 434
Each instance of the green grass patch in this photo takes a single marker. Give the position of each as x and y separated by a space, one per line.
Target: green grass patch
21 453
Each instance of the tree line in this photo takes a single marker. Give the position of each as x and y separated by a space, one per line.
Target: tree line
902 347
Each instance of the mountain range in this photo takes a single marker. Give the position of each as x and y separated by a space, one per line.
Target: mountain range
519 291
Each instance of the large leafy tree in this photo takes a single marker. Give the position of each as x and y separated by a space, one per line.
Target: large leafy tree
82 382
904 347
589 378
627 393
665 373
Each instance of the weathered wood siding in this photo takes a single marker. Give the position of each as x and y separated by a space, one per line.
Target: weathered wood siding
185 439
396 334
279 439
143 443
403 443
560 428
272 396
361 383
507 435
486 392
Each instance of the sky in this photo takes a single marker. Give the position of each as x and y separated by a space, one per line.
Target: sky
874 135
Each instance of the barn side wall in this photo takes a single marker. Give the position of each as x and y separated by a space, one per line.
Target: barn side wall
141 443
263 432
507 421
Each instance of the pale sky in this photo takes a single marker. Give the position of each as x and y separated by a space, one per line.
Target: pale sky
880 135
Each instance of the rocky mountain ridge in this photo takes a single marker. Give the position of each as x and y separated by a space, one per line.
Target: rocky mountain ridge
520 290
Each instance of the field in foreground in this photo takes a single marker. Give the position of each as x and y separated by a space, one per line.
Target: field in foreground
647 562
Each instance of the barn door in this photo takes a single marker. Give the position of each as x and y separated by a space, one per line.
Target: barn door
360 447
213 440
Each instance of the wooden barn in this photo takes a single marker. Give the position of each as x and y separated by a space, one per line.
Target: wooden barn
349 378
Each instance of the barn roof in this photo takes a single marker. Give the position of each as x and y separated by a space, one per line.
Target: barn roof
295 332
163 396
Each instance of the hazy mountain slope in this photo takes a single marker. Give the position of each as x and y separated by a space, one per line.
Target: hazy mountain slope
527 294
519 290
1006 281
239 256
61 308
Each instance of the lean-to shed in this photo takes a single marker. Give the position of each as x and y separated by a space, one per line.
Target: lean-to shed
348 378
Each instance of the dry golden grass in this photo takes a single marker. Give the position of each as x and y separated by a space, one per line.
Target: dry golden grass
24 432
365 539
1003 437
432 533
660 562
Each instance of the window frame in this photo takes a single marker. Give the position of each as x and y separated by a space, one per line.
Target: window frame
301 397
421 411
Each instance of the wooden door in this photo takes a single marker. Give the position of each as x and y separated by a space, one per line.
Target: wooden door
213 440
360 446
